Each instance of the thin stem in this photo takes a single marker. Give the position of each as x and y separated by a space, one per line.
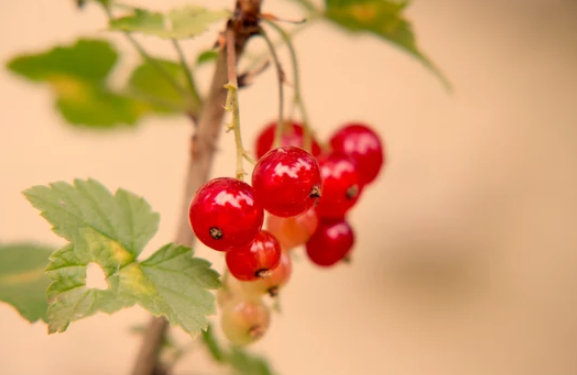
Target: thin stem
151 60
232 103
297 86
155 64
255 59
196 99
280 75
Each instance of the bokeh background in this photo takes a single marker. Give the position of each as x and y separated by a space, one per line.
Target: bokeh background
466 258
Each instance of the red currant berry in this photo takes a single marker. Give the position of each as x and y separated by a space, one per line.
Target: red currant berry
224 215
256 259
364 146
293 231
330 243
287 181
293 135
245 321
272 283
341 185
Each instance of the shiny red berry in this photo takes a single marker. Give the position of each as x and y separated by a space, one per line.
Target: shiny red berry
224 215
293 231
341 185
293 135
255 260
364 146
287 181
331 243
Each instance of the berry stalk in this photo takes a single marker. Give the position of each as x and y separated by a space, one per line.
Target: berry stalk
280 75
297 98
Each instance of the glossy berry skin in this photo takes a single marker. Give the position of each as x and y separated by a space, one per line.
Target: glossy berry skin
244 321
293 135
341 185
364 146
272 283
224 214
293 231
256 259
287 181
331 243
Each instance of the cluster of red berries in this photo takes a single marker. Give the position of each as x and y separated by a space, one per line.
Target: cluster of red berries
307 196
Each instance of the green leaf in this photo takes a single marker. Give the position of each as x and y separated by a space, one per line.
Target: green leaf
97 106
111 231
78 75
147 83
186 22
241 361
23 282
382 18
179 287
69 298
123 217
206 57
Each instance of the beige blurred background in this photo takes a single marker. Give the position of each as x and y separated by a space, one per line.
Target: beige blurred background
466 260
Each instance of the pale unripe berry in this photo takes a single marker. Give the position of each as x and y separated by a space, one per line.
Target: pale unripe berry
244 321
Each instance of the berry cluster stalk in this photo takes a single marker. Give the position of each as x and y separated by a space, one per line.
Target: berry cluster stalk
203 146
280 76
232 104
297 96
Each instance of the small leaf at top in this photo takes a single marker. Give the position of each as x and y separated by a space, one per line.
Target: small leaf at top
23 282
111 231
81 3
186 22
307 4
383 18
